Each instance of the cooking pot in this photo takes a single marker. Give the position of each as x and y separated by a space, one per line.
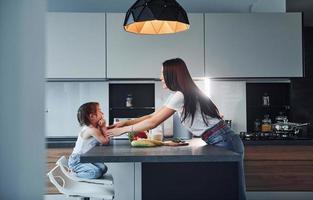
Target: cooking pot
289 127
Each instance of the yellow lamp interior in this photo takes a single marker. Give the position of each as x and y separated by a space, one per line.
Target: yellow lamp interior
156 27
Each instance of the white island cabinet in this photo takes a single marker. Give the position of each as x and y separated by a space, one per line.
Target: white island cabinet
140 56
75 45
253 45
123 175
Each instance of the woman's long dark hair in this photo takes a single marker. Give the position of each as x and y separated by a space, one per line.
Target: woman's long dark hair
177 78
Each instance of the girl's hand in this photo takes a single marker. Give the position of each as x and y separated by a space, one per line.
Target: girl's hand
101 123
114 132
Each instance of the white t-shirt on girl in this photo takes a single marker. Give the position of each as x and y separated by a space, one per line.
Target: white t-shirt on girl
176 102
84 145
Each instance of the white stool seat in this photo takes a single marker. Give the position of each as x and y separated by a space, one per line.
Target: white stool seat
107 179
70 187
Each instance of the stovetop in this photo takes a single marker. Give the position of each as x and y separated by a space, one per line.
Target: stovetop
272 136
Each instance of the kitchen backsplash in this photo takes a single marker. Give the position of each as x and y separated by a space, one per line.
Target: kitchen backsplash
230 98
301 102
266 100
64 98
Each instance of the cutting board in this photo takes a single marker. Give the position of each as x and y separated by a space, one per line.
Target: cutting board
175 144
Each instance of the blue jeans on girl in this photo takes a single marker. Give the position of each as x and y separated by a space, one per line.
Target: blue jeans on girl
86 170
228 139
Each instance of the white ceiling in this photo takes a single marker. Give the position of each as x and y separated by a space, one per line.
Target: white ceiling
123 5
305 6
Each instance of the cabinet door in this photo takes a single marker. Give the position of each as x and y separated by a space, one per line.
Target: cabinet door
63 100
75 45
253 45
141 56
137 177
123 175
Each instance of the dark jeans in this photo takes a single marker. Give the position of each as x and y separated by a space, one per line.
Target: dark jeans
228 139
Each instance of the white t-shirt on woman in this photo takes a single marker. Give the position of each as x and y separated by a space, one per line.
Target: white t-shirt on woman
176 102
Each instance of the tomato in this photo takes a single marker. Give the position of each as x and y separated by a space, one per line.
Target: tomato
137 135
141 134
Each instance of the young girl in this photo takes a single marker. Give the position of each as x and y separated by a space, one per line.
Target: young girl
90 117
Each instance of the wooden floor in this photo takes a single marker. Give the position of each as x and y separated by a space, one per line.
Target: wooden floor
250 195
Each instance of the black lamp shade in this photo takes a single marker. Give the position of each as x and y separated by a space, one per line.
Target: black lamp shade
156 17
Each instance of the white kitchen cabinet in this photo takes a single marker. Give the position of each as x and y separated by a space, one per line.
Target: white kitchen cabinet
141 56
63 100
75 45
123 175
253 45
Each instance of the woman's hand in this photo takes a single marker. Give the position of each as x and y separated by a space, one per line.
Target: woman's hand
118 124
114 132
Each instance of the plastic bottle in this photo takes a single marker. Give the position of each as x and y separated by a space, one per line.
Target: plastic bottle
129 100
265 100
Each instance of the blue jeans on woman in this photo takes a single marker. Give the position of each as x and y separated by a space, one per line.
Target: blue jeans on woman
228 139
86 170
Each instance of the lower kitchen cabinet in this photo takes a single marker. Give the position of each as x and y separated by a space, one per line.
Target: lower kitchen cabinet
123 175
279 168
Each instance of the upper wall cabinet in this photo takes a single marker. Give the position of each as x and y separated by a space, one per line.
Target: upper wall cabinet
141 56
75 45
253 45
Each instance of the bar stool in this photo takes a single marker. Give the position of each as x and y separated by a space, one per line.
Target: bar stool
73 188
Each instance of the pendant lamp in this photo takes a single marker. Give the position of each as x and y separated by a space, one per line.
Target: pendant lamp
156 17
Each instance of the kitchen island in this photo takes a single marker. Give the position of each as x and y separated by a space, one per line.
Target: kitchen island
196 171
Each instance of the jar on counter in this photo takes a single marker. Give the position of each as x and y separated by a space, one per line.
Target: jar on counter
257 125
266 124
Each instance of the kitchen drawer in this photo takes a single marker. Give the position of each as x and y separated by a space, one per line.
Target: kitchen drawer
279 168
279 152
279 175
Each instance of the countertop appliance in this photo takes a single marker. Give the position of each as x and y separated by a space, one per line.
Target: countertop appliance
119 119
274 135
271 136
179 131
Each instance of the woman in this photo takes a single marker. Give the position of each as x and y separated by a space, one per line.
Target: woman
197 113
